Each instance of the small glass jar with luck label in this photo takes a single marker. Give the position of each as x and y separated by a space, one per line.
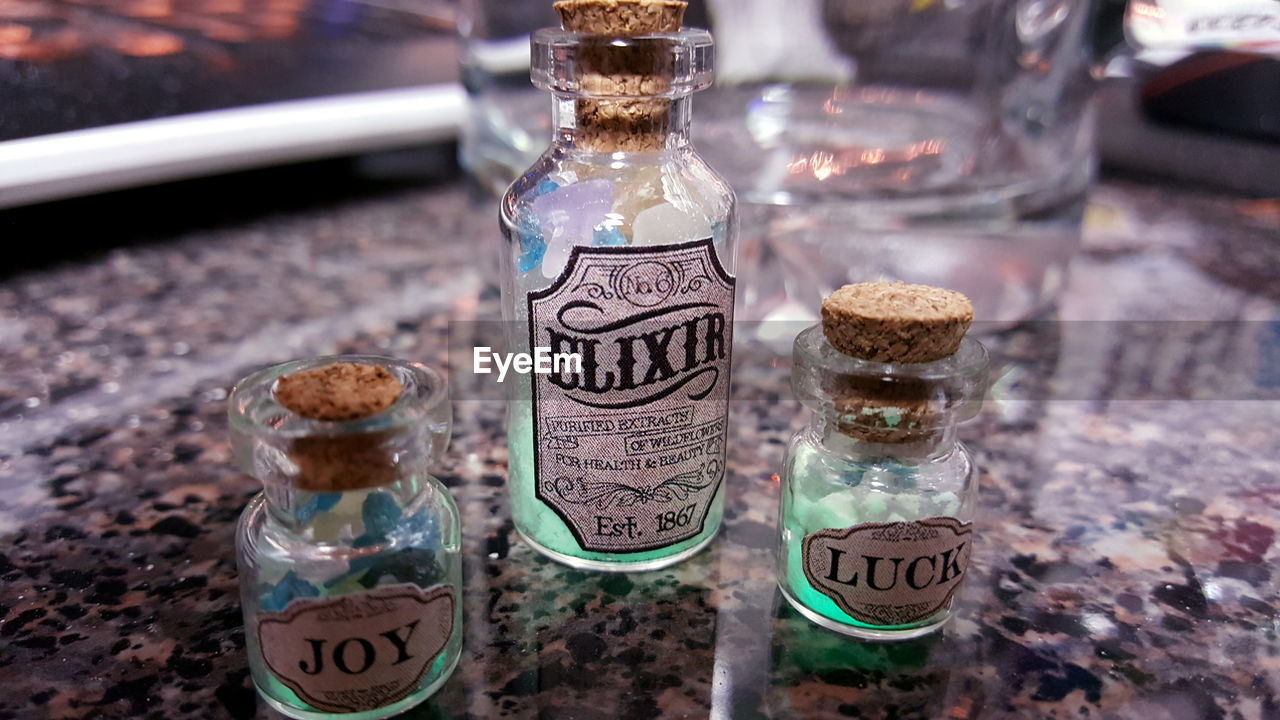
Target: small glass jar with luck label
878 496
349 560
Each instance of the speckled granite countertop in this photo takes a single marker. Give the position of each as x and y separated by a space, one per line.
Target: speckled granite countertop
1124 566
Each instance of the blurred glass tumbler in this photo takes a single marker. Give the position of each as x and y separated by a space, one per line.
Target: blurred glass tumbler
944 142
509 123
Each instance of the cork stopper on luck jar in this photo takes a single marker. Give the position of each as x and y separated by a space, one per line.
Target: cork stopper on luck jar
893 322
621 18
897 325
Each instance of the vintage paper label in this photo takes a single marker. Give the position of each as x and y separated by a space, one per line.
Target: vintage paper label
630 448
358 652
890 573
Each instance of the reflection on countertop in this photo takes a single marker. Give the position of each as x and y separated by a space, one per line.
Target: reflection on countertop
1123 566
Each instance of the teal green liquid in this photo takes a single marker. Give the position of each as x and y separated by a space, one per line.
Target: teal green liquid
541 525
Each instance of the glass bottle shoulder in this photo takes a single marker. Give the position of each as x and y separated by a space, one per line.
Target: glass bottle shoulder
620 198
337 525
810 460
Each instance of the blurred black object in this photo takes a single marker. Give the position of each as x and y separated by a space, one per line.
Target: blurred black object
76 64
1132 144
88 226
1106 32
1234 93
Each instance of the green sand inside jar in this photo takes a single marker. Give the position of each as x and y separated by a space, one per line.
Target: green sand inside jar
539 524
838 494
392 544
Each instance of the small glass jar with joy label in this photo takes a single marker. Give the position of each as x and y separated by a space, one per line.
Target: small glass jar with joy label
349 560
878 496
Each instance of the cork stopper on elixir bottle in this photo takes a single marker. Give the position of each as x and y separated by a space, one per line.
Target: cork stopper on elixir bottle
618 112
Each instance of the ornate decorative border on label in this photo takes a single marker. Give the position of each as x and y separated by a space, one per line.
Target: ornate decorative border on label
856 584
297 642
630 452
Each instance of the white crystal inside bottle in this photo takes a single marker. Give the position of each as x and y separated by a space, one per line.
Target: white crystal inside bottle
666 223
568 216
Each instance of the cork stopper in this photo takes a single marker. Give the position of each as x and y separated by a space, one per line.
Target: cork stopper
621 18
894 322
873 415
340 392
626 125
891 322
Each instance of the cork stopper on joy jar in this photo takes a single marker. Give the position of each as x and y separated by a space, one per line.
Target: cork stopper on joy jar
892 323
340 392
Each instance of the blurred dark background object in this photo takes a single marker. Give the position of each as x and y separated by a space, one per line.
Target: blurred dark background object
1133 144
1233 93
86 227
1106 33
76 64
1190 96
98 95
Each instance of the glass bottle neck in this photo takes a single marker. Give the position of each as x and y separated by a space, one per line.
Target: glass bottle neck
610 125
940 443
296 509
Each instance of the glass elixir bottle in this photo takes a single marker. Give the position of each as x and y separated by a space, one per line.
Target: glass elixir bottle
618 251
349 560
878 496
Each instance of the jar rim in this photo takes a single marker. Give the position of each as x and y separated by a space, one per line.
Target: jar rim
812 348
253 408
686 60
897 400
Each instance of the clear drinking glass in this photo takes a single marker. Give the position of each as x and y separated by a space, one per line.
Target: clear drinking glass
508 123
943 142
